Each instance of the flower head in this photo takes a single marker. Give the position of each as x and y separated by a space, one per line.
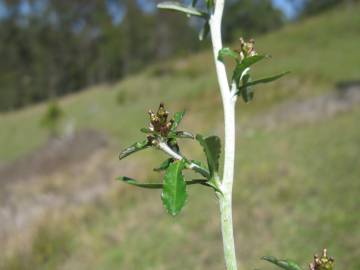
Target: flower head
158 121
322 263
247 48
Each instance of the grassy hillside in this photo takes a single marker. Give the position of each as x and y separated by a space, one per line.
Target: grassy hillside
319 52
297 185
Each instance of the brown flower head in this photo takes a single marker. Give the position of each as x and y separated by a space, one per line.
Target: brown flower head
322 263
158 121
247 48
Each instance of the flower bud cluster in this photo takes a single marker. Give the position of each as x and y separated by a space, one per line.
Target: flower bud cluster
322 263
247 48
158 121
159 125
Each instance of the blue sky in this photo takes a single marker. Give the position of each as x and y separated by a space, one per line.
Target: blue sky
286 7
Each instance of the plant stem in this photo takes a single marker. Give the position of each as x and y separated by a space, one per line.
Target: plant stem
164 147
228 100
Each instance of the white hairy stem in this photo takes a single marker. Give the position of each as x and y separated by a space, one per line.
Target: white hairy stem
165 147
228 99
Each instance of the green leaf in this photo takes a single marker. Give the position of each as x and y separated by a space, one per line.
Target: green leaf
198 163
264 80
133 182
284 264
200 168
212 149
134 148
174 190
247 93
184 135
204 31
227 52
172 143
146 131
243 65
175 6
163 166
210 4
197 181
214 186
177 119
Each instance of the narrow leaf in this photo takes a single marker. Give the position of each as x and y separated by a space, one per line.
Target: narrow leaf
133 182
134 148
198 163
163 166
284 264
172 143
200 168
210 4
215 187
212 148
243 65
175 6
204 31
146 131
227 52
264 80
174 190
184 135
196 181
177 119
247 93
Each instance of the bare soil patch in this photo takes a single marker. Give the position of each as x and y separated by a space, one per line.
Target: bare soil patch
56 154
309 111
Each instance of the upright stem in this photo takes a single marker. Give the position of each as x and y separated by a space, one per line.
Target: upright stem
228 100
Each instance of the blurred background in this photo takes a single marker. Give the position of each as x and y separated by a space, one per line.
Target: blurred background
76 81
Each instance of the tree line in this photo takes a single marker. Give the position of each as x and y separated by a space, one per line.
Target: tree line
58 47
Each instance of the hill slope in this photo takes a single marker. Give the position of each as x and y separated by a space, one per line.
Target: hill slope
319 52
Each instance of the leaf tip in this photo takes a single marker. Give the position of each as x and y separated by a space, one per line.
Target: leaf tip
268 258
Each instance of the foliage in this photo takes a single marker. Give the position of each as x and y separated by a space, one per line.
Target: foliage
249 18
163 134
52 117
320 263
174 193
313 7
244 59
284 264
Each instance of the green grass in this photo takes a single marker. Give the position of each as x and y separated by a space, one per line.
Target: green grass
296 192
297 187
49 248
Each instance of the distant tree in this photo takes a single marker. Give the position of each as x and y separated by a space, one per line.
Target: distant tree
59 47
250 16
312 7
51 119
166 38
65 46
